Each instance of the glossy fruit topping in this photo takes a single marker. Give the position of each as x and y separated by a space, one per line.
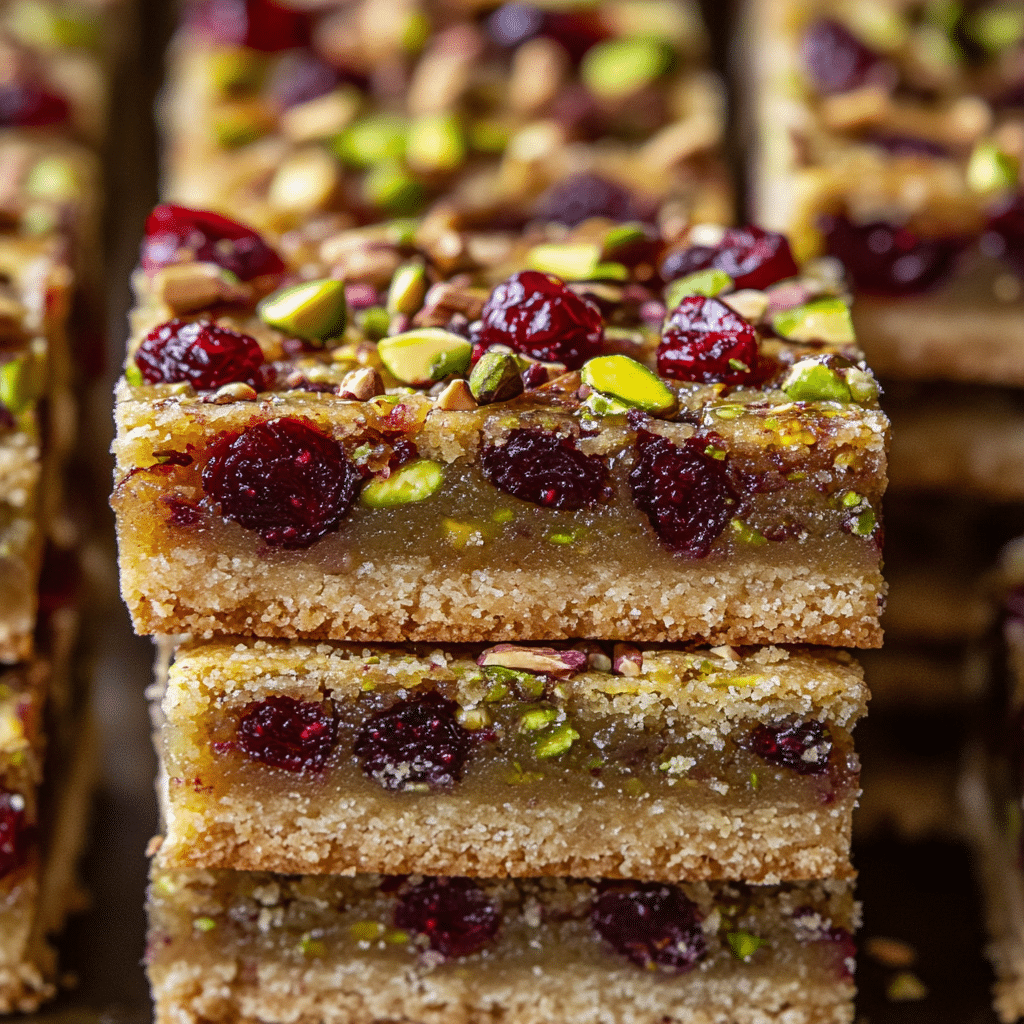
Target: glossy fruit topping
686 491
802 746
537 315
546 469
258 24
176 233
585 195
297 735
751 256
705 341
886 260
16 834
455 914
28 105
653 925
414 744
202 354
837 61
284 479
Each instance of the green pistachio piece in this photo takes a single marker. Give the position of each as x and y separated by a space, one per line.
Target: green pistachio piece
702 282
372 140
611 271
744 944
746 534
556 741
393 189
415 32
811 381
133 375
312 310
20 384
571 261
906 987
374 322
488 136
864 524
603 405
497 377
366 931
863 386
309 946
526 684
621 237
305 181
53 177
425 355
238 128
997 27
436 143
204 924
534 721
408 288
41 26
826 319
616 69
630 382
990 169
237 70
415 481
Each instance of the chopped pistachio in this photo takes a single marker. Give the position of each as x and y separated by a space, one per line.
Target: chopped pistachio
52 177
379 138
20 384
702 282
425 355
744 944
313 310
133 375
415 481
556 741
374 322
616 69
906 987
997 26
237 69
851 498
390 187
571 261
812 381
309 946
395 936
498 691
304 182
603 405
503 515
518 777
366 931
989 169
863 386
715 453
630 382
46 26
864 524
755 780
526 683
240 126
746 534
541 718
563 537
621 237
204 924
408 288
473 718
497 377
750 303
436 143
611 271
826 319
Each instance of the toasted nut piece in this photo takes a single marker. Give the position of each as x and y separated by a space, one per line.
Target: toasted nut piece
448 298
313 310
370 264
708 282
597 660
616 69
627 660
497 377
408 288
826 319
235 392
540 660
361 385
415 481
750 303
456 397
320 118
422 356
890 952
189 287
443 71
539 67
812 381
305 182
627 381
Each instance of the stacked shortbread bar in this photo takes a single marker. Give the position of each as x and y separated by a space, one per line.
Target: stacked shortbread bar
500 543
57 59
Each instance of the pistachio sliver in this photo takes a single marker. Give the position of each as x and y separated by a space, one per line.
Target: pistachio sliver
20 384
812 381
825 319
425 355
629 381
436 143
496 377
618 68
708 282
312 310
415 481
571 261
989 169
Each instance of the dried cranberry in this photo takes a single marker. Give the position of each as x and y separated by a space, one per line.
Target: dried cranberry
201 353
887 260
209 238
546 469
837 61
258 24
651 924
16 834
1007 222
751 256
577 30
686 493
455 914
536 314
704 340
7 420
907 145
27 105
297 735
284 479
300 77
416 740
582 196
804 747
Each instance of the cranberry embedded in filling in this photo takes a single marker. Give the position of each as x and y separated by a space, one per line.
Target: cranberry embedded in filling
455 914
16 834
804 747
296 735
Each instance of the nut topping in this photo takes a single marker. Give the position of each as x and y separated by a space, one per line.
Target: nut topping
540 660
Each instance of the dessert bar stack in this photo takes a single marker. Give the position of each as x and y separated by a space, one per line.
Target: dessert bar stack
57 61
493 542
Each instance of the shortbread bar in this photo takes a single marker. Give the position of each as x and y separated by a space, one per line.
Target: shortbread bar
246 947
523 760
466 459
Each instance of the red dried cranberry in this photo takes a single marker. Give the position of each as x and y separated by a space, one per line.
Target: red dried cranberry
907 145
284 479
27 105
751 256
577 30
209 238
416 740
651 924
258 24
582 196
686 493
16 834
805 747
1007 222
887 260
837 61
7 420
455 914
201 353
705 341
536 314
297 735
546 469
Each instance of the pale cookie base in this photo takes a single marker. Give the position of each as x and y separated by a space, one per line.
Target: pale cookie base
535 973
